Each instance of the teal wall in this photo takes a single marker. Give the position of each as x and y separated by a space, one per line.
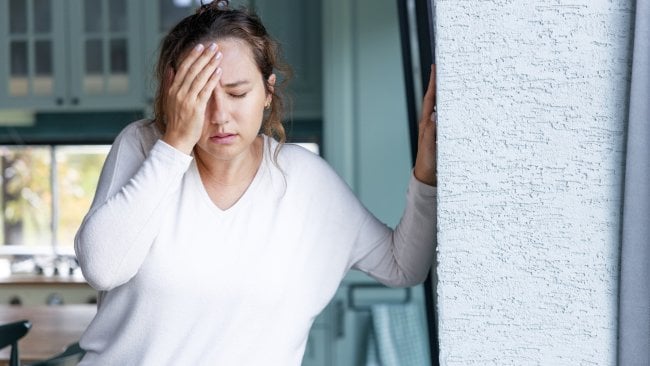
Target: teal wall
365 134
365 119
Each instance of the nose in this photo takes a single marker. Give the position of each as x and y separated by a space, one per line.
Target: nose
216 109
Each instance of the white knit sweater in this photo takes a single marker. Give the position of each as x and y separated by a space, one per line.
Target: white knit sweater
184 283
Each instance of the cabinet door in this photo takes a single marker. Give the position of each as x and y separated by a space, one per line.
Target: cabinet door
32 65
104 54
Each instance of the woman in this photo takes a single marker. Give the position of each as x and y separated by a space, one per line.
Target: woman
214 244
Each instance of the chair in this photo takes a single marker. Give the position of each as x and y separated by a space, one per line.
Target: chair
9 336
70 357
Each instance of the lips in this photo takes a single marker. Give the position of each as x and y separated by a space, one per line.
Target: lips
223 138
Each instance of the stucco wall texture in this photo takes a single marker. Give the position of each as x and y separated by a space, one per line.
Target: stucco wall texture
532 103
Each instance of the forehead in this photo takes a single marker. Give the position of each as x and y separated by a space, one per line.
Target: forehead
238 61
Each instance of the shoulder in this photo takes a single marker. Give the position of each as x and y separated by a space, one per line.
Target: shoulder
293 158
140 135
304 168
298 154
140 129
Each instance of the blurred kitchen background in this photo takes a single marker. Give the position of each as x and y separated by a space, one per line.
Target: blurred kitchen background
73 73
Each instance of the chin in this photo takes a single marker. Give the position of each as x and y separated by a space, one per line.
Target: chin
220 152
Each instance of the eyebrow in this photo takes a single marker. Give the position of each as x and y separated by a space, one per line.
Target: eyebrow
236 84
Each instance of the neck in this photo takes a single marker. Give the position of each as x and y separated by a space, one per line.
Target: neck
233 172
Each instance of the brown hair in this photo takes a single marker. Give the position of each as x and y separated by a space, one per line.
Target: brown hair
215 21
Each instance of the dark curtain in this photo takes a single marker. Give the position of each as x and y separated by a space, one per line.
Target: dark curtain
634 300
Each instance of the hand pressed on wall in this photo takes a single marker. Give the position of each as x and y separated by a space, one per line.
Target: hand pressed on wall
425 161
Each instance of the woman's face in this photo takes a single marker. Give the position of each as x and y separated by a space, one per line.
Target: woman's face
234 113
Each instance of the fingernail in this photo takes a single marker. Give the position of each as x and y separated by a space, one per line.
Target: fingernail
213 46
199 47
218 71
218 55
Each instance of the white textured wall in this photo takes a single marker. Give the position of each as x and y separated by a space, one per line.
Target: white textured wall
532 109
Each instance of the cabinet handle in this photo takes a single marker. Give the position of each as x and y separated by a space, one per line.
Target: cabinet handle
59 101
74 101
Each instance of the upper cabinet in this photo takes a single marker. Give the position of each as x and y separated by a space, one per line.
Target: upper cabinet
105 62
70 54
73 55
33 71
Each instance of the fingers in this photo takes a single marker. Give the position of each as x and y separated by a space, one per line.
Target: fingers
425 162
429 101
206 80
182 69
206 87
196 69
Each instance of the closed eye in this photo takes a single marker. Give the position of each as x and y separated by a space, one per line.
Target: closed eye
241 95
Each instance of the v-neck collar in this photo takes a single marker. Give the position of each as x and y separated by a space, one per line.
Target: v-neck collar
252 187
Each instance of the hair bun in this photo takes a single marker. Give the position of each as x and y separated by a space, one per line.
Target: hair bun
222 4
213 5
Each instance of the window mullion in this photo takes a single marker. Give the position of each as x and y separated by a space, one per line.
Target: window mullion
55 198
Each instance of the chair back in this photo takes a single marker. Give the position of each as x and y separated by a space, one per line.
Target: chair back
9 336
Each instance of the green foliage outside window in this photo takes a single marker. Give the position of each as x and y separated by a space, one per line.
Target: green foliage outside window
30 200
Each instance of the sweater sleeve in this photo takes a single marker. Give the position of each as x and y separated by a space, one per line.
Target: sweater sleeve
400 257
123 221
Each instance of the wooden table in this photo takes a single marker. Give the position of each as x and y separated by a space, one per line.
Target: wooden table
53 329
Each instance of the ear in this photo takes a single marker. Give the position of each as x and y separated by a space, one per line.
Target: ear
271 82
169 76
271 85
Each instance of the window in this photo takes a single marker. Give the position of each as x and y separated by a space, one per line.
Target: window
45 191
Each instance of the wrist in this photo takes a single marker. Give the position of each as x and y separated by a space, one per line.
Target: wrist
426 176
178 143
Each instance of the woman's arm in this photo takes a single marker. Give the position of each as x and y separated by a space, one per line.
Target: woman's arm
400 257
403 257
133 190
